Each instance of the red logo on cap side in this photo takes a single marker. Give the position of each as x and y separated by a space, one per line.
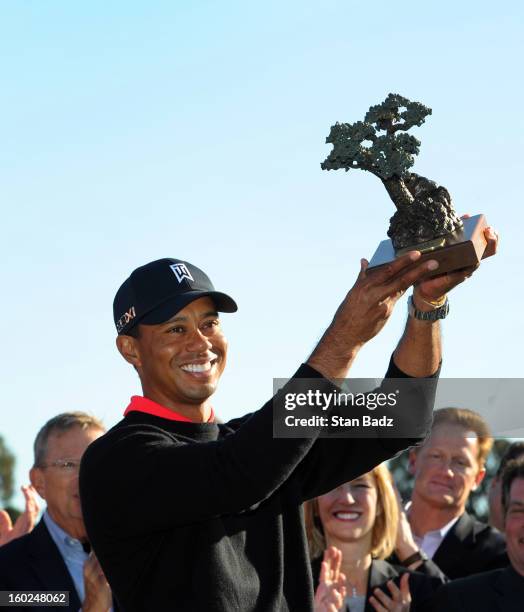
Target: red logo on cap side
125 318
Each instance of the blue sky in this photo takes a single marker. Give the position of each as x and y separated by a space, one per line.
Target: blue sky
136 130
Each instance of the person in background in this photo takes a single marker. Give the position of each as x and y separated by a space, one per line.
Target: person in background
500 590
496 513
447 467
354 528
55 555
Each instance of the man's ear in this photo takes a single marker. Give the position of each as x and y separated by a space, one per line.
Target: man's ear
128 348
412 459
37 478
479 478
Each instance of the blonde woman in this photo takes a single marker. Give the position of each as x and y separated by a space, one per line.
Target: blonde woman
351 531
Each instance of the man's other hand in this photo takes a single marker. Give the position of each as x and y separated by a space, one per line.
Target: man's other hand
435 288
365 310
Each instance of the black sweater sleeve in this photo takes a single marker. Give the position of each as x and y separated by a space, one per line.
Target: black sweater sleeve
171 476
333 461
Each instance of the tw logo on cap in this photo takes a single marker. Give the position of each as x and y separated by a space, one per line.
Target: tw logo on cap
181 272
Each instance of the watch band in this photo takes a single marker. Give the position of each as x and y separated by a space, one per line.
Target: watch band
420 555
435 303
433 315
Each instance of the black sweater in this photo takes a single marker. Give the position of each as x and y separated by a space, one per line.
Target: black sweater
207 517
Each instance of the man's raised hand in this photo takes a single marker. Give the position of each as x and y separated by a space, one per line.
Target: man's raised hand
365 310
434 288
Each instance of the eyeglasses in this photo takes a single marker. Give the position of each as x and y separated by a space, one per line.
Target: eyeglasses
66 466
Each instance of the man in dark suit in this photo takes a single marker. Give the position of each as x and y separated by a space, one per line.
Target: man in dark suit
470 547
447 468
496 513
54 556
500 590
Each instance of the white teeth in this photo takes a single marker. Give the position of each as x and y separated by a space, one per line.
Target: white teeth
197 367
347 516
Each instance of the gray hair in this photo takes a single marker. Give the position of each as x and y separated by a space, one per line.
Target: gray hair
60 424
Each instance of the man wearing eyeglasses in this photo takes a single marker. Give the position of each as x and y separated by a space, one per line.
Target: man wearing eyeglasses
55 555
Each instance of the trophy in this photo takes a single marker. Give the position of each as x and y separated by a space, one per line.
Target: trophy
425 219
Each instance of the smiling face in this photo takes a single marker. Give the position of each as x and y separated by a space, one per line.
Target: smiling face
515 525
348 512
446 468
179 362
57 480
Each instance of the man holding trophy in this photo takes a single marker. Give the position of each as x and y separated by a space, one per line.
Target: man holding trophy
185 513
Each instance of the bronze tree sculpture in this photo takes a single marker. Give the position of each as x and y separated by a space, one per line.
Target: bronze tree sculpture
380 145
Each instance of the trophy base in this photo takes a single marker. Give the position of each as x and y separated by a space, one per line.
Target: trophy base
460 249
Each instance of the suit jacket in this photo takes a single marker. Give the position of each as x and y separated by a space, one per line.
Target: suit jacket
500 590
34 563
422 586
470 547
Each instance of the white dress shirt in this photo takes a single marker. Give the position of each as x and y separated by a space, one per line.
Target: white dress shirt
431 540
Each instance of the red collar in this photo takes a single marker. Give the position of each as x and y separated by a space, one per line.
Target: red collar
143 404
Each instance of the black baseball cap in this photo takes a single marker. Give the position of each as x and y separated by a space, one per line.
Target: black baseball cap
156 291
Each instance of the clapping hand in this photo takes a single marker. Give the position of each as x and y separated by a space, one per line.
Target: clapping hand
405 545
98 597
25 522
331 590
400 600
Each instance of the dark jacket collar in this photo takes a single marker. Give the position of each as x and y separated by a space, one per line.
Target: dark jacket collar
509 582
48 564
503 590
381 571
464 531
